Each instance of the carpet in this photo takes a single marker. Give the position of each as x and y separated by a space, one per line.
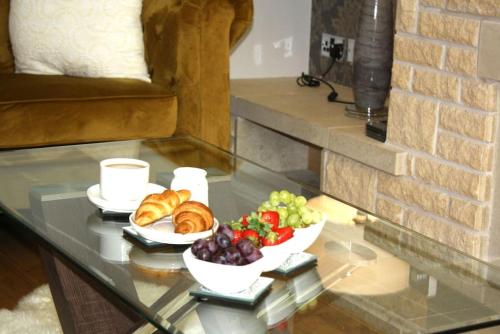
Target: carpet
35 312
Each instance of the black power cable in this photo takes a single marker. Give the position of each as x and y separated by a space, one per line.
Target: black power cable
333 60
306 80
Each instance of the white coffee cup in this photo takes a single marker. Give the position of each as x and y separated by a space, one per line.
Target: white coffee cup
123 179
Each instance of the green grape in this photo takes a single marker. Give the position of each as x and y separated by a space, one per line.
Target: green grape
261 208
300 201
266 205
291 208
304 210
293 220
292 198
285 196
283 212
274 202
307 218
316 216
274 196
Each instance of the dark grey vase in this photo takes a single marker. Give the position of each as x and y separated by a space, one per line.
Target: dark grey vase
372 62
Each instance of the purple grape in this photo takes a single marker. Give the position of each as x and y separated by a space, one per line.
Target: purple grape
222 240
204 254
242 262
226 229
254 256
219 258
212 246
232 255
198 245
245 246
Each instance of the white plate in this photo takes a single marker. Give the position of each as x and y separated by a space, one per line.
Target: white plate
94 195
163 231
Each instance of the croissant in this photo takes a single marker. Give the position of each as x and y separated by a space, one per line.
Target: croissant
192 217
156 206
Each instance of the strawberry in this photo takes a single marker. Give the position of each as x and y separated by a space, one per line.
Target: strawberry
239 224
272 218
271 239
284 234
237 236
251 235
277 237
282 326
243 220
262 228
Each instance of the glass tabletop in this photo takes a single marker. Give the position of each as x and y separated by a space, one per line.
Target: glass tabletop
371 276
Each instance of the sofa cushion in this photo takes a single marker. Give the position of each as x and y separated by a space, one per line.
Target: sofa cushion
6 59
91 38
39 110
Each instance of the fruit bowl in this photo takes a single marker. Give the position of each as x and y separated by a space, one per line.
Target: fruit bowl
304 237
223 278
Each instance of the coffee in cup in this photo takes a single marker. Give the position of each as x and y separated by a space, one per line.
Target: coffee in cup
123 179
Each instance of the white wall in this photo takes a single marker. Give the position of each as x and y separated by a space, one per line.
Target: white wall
278 42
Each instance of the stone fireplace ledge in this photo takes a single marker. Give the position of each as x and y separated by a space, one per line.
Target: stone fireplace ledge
304 113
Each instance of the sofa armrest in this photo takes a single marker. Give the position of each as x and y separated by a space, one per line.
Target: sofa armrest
187 48
243 17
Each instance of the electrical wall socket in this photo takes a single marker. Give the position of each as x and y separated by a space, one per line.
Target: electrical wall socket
327 41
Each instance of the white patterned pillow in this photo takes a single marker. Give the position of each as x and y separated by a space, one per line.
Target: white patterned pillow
86 38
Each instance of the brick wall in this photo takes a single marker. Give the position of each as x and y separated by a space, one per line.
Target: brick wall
445 116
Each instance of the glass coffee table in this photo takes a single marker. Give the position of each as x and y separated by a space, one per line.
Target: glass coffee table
368 276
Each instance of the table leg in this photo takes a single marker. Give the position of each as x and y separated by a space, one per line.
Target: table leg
82 305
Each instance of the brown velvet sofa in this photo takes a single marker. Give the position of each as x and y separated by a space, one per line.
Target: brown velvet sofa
187 44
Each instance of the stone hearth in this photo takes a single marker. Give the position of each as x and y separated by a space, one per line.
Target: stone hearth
444 113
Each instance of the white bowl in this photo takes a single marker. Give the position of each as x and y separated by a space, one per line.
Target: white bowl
275 256
222 278
304 237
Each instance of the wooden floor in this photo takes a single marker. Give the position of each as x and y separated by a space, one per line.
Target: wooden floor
21 268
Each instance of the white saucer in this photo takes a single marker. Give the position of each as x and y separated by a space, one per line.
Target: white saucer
94 195
163 231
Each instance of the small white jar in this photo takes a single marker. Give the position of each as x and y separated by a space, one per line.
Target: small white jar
194 180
